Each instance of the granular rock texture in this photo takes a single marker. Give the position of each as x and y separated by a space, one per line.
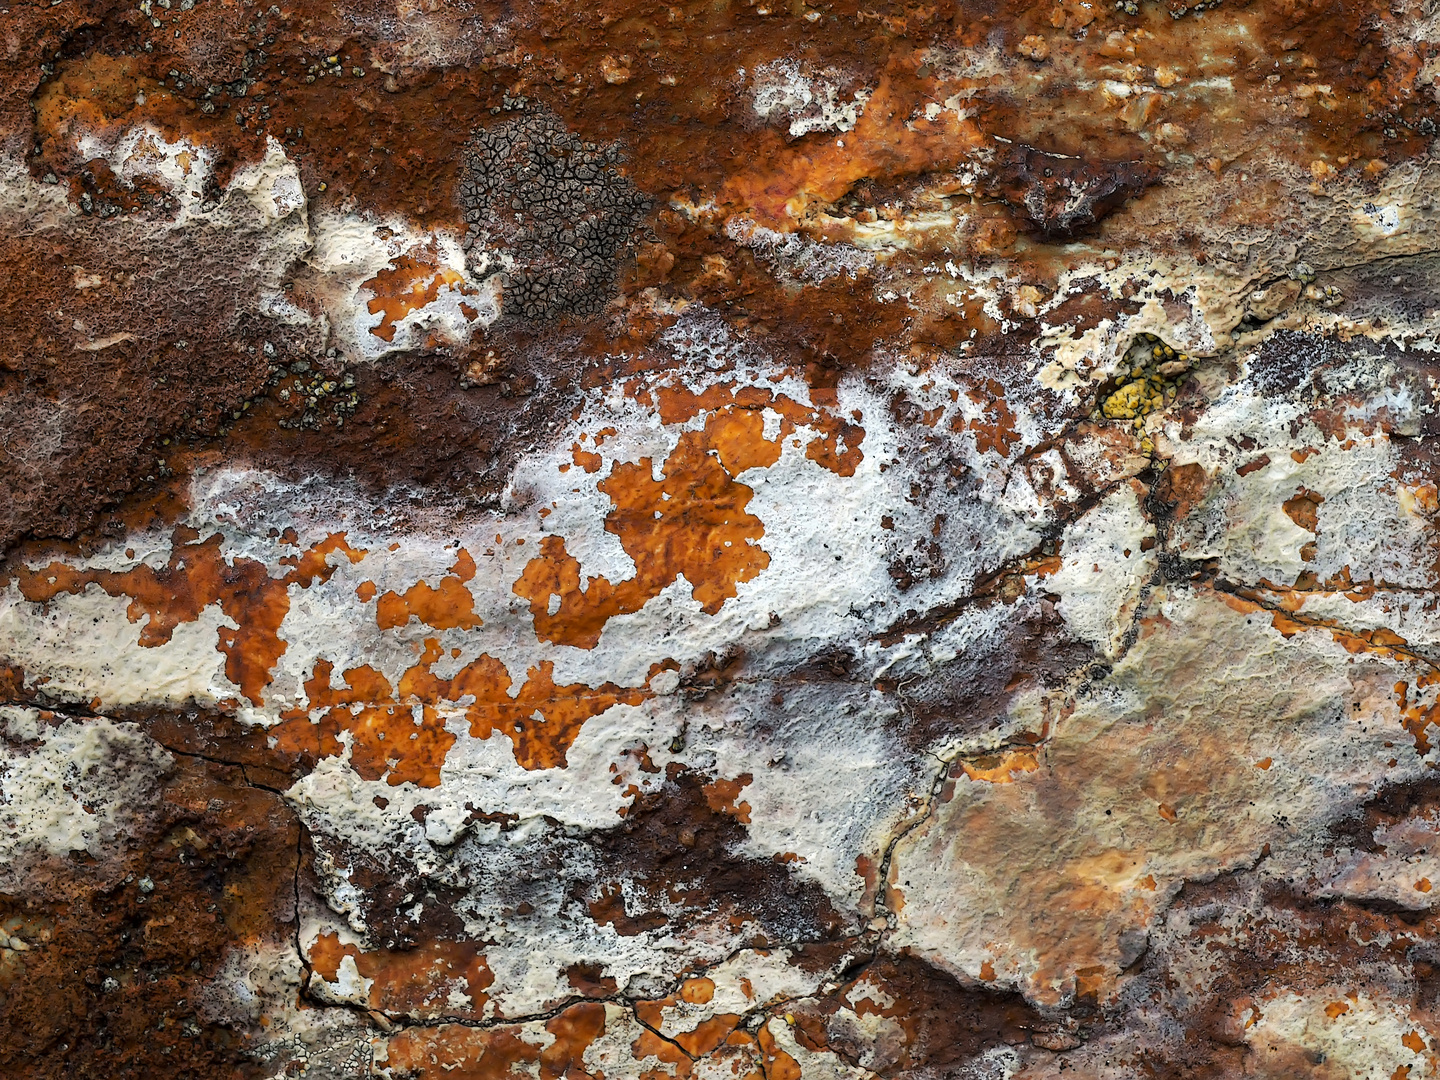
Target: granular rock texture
729 540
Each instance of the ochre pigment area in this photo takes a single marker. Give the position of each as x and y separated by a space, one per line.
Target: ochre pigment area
733 540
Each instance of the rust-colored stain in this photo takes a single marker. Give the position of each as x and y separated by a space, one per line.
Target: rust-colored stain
410 283
196 576
693 522
450 605
889 140
417 982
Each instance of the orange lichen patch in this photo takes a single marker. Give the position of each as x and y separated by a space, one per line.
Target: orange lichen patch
196 576
778 1065
651 1045
1263 763
738 438
1416 715
1423 885
1090 982
987 971
1283 606
386 739
1412 1040
888 142
365 591
410 283
1303 508
419 982
705 1036
586 459
1402 1072
995 428
1420 499
466 1053
836 447
1337 1008
693 522
1001 768
698 991
450 606
708 1035
544 720
720 795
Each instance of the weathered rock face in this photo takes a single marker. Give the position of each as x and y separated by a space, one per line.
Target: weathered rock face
721 540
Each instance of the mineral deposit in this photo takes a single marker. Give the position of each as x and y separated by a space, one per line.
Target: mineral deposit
724 540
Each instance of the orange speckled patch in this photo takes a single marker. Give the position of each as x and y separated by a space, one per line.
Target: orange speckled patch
411 282
450 606
417 982
195 577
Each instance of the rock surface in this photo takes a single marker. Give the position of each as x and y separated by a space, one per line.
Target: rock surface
731 540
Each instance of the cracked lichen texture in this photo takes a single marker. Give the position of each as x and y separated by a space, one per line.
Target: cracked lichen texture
729 540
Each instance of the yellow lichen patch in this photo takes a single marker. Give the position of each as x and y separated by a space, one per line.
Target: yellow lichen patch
437 978
448 606
412 281
1147 383
196 576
